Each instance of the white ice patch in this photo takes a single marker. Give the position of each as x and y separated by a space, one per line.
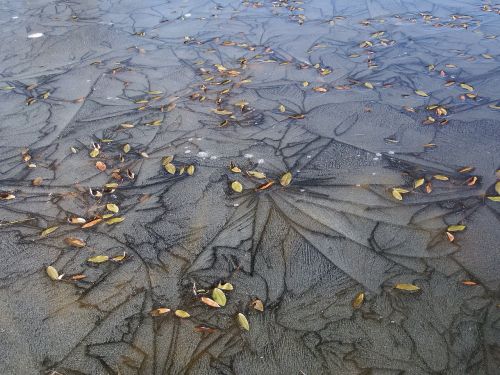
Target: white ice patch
202 154
187 151
35 35
260 161
248 156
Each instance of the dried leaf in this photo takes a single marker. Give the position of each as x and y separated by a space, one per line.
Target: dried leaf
494 199
282 108
48 231
6 196
469 283
100 166
440 177
237 186
126 148
190 170
219 297
209 302
243 322
450 237
456 228
266 185
358 300
92 223
98 259
182 314
112 207
37 181
75 242
286 179
52 273
407 287
159 311
497 187
234 168
258 305
368 85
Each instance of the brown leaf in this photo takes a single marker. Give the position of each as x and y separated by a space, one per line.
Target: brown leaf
159 311
358 300
75 242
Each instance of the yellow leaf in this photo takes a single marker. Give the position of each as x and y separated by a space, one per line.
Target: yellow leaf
237 186
225 286
419 182
497 187
223 112
182 314
396 194
421 93
170 168
112 207
407 287
305 83
466 87
126 148
456 228
219 296
115 220
256 174
48 231
282 108
440 177
94 152
243 322
368 85
52 273
358 300
494 199
190 170
98 259
286 179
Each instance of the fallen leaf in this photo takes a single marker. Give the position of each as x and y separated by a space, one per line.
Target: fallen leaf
358 300
421 93
286 179
418 182
282 108
219 296
75 242
159 311
237 186
243 322
209 302
94 152
190 170
48 231
466 87
256 174
407 287
225 286
170 168
258 305
182 314
98 259
115 220
37 181
497 187
368 85
469 283
52 273
92 223
112 207
494 199
450 237
100 166
456 228
6 196
396 194
126 148
441 177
